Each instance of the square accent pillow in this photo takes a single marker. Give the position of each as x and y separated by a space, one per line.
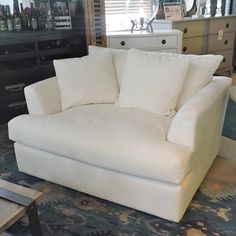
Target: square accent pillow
152 82
86 80
118 57
201 70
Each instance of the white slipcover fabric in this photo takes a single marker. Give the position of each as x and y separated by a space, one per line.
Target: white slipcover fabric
43 97
150 85
201 69
202 127
118 139
196 128
86 80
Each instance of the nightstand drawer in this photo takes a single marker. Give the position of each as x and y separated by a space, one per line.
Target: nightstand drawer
143 42
191 28
228 58
226 43
193 45
228 23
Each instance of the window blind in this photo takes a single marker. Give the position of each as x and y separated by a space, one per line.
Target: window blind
116 7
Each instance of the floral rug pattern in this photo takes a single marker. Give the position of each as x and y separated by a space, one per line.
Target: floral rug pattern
65 212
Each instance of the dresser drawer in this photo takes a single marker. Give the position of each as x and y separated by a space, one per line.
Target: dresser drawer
143 42
13 109
12 93
228 23
190 28
194 45
228 58
216 45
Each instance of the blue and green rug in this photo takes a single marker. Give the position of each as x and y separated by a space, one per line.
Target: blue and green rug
65 212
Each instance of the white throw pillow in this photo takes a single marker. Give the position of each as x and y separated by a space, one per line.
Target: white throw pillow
118 56
86 80
200 72
152 82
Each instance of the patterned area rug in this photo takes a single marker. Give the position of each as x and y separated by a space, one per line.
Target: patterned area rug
229 129
64 212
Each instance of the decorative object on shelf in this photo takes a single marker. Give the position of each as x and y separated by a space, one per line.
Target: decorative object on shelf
42 7
50 21
35 15
160 13
201 8
183 7
144 24
223 6
63 22
172 11
16 16
213 7
9 20
160 4
61 12
193 9
3 25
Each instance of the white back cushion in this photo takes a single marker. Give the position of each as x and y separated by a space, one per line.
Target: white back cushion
86 80
201 69
152 82
118 57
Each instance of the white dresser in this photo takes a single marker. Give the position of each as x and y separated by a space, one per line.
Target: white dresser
162 41
200 36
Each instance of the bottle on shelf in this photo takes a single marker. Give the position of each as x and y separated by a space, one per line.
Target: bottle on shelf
9 19
33 17
16 16
16 6
50 22
60 12
24 19
3 25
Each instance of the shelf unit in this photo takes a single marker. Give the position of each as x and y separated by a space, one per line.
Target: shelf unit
27 57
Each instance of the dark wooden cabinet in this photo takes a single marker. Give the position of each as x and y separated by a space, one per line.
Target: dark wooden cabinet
27 57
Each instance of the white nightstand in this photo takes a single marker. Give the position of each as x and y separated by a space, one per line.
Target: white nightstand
162 41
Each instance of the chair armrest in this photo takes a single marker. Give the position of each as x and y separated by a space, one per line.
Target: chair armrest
43 97
198 124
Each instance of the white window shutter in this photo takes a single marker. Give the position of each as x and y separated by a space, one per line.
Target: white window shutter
128 6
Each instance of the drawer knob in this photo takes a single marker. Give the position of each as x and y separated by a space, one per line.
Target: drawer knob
227 25
185 30
163 41
226 42
184 49
224 60
122 43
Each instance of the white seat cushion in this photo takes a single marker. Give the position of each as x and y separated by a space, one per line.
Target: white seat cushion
104 135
